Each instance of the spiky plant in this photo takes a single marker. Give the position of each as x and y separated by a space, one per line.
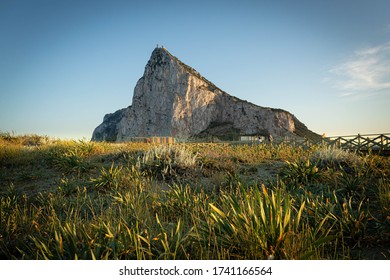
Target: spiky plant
300 172
108 178
166 162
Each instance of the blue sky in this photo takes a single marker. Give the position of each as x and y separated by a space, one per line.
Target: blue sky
65 64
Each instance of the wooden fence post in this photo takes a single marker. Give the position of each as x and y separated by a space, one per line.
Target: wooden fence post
382 143
358 142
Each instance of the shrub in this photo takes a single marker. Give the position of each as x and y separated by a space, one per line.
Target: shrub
260 224
300 173
109 178
73 157
334 157
345 217
70 162
166 162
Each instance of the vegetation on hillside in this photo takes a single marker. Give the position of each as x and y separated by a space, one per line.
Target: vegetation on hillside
86 200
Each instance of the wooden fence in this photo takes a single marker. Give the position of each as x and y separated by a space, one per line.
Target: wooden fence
365 142
377 143
155 139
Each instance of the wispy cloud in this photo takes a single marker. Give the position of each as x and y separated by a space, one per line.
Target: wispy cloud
366 72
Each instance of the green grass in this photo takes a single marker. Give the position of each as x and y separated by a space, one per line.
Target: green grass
85 200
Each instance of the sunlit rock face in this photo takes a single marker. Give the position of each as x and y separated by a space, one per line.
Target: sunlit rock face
172 99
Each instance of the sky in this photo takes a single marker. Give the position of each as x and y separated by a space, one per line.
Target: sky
65 64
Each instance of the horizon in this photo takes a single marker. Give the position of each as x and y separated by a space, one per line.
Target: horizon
15 134
66 65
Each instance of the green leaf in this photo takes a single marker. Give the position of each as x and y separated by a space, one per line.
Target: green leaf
218 211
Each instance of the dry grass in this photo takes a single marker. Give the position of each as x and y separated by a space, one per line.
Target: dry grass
85 200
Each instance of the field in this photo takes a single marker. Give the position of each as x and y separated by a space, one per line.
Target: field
85 200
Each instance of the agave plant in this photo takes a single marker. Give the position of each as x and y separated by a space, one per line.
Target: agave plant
300 173
109 178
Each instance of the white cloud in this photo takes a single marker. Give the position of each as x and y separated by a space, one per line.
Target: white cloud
366 72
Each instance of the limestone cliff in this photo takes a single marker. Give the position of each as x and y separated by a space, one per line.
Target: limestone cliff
172 99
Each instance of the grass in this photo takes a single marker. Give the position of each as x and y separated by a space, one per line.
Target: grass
85 200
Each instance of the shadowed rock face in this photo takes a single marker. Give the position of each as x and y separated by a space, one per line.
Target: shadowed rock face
172 99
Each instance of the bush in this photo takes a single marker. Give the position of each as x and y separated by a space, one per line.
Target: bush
335 157
261 224
108 178
167 162
70 162
72 157
300 173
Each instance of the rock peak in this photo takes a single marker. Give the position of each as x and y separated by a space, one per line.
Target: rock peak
173 99
158 52
161 56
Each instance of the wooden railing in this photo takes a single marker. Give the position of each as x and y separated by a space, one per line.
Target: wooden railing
376 143
362 142
379 143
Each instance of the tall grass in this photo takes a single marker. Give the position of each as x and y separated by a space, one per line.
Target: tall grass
136 201
262 224
384 193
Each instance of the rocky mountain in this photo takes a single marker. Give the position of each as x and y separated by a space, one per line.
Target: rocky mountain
173 99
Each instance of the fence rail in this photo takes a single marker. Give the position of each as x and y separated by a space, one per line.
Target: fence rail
377 143
365 142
